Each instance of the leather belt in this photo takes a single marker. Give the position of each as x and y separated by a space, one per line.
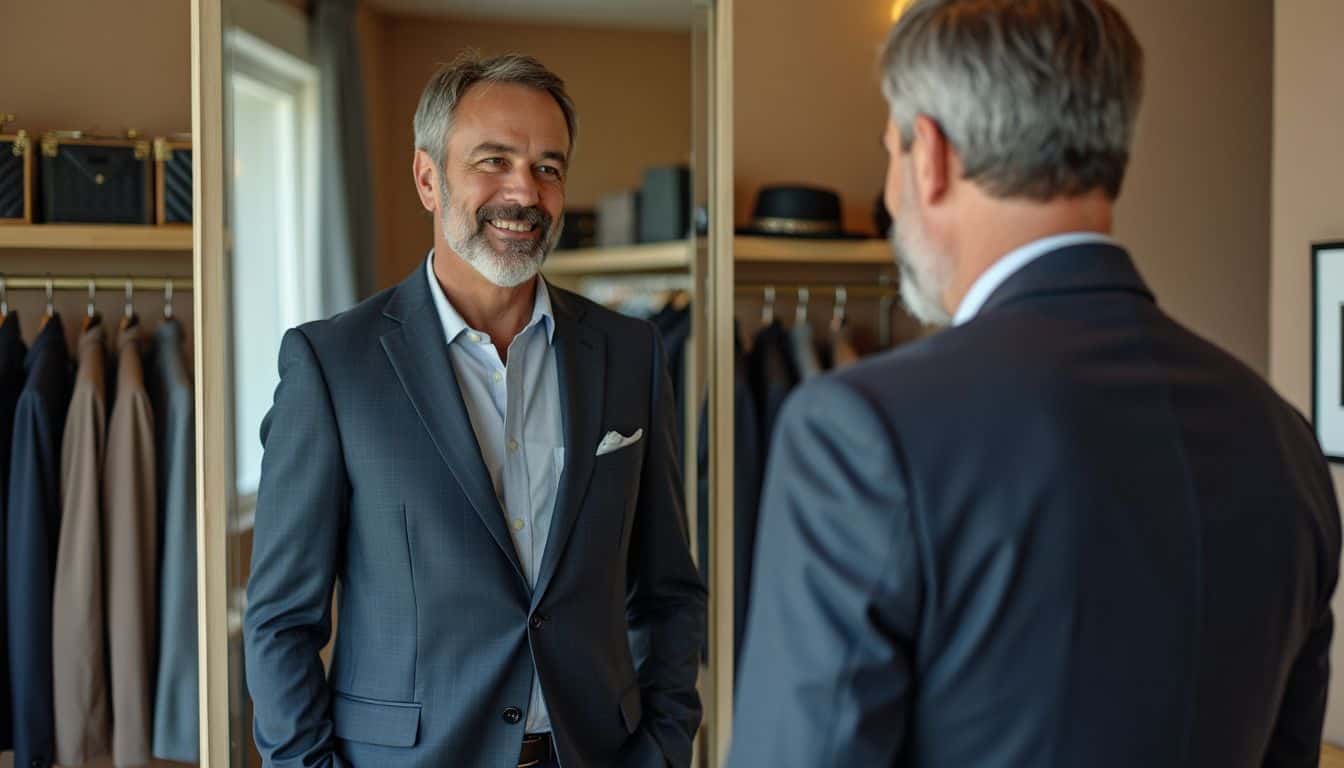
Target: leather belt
536 750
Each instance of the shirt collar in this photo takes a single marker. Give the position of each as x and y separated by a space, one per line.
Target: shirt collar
1013 261
453 323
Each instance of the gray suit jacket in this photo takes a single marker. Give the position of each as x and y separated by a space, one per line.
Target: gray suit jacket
372 477
1067 533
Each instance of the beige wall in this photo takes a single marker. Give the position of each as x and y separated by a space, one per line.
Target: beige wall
1308 169
632 88
72 64
1194 210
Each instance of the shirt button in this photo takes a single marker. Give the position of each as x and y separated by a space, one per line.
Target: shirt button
517 525
513 715
498 377
513 446
474 336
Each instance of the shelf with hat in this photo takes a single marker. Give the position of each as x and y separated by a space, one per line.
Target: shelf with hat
800 224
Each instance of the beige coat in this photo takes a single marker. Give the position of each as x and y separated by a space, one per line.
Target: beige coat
79 675
131 531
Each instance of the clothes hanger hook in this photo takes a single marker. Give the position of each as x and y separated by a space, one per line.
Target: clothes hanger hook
841 300
93 294
51 298
168 299
130 299
804 295
768 309
4 297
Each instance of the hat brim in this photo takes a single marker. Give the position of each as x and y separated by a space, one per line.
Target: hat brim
752 232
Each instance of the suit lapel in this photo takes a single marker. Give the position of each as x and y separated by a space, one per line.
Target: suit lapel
581 368
420 358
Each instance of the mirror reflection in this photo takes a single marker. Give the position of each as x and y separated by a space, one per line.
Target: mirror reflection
468 381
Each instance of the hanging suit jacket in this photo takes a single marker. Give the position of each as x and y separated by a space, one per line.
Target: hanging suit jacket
131 531
33 527
12 352
79 625
176 712
1068 532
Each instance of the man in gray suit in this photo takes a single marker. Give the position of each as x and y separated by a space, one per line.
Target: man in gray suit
1065 531
486 465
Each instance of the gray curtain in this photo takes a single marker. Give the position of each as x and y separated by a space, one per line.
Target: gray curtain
346 236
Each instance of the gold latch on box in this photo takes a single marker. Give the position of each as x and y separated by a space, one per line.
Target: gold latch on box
162 152
20 147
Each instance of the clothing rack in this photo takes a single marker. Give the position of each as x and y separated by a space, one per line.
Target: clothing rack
68 283
92 284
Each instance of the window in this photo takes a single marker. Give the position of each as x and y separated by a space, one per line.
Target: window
272 100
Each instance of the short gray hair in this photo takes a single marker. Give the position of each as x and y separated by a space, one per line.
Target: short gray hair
1039 98
439 100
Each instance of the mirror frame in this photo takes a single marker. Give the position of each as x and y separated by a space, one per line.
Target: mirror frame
213 417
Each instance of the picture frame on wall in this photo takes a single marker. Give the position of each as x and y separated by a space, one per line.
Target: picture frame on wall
1327 342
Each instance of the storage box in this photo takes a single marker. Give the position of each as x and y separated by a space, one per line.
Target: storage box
95 180
172 180
16 175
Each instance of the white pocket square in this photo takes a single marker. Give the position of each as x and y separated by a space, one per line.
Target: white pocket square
615 441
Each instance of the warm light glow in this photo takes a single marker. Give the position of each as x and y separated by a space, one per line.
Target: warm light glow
899 7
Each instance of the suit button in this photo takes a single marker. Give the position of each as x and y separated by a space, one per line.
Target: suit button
537 621
513 715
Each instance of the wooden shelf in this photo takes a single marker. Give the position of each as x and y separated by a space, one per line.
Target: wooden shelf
96 237
674 256
784 250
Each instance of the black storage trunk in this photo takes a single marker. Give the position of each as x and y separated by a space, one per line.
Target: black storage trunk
172 186
16 177
95 181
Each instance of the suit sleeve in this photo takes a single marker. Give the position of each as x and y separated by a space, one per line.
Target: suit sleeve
300 517
826 671
665 598
1296 740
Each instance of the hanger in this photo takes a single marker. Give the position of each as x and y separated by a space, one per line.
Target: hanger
841 300
91 318
4 301
51 306
800 316
768 309
129 320
168 299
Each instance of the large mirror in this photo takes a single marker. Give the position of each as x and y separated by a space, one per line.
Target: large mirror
469 509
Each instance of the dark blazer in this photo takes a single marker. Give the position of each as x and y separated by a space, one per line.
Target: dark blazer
12 353
1069 532
372 477
32 528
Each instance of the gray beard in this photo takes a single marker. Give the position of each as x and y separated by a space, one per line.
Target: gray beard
921 291
519 263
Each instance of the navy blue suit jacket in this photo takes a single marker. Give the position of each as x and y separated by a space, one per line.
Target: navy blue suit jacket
32 528
1069 532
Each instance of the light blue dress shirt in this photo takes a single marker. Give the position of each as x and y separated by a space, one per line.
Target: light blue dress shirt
515 412
1009 264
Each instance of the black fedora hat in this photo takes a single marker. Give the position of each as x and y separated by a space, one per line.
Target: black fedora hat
798 211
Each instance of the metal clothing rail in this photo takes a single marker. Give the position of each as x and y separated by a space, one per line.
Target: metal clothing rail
68 283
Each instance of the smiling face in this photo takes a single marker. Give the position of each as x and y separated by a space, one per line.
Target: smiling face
501 193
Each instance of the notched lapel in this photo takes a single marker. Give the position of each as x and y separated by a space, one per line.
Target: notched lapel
581 367
419 356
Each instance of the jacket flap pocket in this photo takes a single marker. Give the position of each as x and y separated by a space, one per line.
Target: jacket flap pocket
631 709
386 723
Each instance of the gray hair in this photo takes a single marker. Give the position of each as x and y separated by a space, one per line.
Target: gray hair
438 102
1039 98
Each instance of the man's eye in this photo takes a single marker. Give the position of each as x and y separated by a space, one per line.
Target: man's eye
549 170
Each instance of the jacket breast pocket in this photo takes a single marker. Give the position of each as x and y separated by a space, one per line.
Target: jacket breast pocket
373 721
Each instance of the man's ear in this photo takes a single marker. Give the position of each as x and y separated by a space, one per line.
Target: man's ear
426 175
934 164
